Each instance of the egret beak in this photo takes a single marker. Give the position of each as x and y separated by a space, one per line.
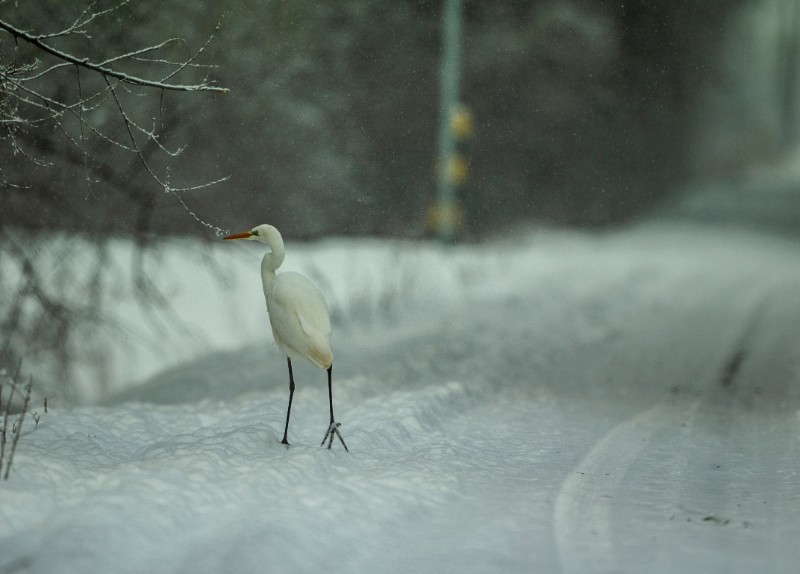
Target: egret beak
243 235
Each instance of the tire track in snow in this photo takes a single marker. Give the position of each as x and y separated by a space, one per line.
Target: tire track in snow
582 525
581 521
704 482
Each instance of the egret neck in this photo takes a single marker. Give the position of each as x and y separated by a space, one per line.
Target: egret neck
272 260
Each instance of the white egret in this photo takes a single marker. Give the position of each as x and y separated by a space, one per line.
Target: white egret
298 315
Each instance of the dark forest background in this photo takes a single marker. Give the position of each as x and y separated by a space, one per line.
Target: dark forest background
585 113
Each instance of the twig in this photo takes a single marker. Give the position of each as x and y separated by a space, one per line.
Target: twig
18 429
82 20
6 414
191 60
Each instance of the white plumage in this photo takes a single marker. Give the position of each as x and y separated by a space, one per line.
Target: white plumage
299 318
298 315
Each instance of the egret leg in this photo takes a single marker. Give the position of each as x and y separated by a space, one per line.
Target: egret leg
333 429
289 410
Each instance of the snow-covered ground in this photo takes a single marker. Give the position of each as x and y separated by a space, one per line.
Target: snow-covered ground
557 402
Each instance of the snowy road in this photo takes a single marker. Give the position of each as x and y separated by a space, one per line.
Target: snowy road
705 481
627 403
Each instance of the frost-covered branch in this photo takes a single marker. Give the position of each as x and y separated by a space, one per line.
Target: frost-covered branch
40 77
102 68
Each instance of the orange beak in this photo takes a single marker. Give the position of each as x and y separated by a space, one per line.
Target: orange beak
243 235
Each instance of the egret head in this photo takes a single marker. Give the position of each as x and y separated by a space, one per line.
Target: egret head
263 233
270 237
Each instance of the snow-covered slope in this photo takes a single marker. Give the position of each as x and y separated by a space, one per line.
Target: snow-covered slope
558 403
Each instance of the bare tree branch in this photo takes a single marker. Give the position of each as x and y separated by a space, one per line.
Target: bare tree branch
39 42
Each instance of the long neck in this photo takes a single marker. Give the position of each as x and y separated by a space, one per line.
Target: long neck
272 260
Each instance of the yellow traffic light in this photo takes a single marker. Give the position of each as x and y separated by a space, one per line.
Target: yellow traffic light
461 123
457 167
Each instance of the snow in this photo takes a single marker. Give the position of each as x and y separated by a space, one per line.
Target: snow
554 402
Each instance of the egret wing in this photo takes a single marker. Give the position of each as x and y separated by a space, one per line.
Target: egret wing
299 317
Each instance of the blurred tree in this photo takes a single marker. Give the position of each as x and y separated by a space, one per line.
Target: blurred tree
790 70
585 110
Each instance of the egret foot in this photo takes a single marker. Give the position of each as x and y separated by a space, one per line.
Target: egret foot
334 430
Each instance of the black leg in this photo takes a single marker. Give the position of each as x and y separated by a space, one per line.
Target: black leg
333 429
330 391
289 410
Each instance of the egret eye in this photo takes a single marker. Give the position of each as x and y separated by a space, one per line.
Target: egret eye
255 232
